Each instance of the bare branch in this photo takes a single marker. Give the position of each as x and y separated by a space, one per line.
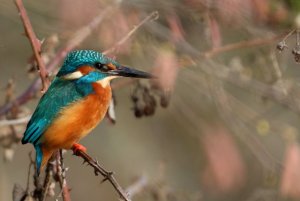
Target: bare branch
61 175
35 45
12 122
98 169
243 44
47 181
137 186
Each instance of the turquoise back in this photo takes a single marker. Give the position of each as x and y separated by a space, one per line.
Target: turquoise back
60 94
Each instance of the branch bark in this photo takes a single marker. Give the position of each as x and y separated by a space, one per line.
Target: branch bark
35 45
242 44
98 169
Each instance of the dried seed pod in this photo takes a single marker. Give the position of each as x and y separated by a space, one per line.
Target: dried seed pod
281 46
134 98
150 102
165 100
296 53
149 110
138 111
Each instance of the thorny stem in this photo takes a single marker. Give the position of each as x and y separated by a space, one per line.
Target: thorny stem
98 169
35 45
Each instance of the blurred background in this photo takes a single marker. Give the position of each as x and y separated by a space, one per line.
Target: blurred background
221 122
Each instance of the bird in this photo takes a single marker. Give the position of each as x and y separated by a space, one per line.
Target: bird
74 104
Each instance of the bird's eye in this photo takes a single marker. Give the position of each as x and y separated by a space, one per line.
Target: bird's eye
102 67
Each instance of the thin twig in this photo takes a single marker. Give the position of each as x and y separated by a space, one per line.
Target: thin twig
47 180
98 169
11 122
31 163
242 44
152 16
61 176
35 45
137 186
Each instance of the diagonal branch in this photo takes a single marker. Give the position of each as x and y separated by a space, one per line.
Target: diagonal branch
242 44
35 45
152 16
98 169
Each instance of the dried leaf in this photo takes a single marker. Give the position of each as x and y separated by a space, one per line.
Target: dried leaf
290 181
177 32
234 11
215 35
165 69
225 169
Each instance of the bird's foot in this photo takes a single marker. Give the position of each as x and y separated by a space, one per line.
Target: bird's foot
78 147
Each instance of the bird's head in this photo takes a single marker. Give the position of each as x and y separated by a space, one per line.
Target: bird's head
92 66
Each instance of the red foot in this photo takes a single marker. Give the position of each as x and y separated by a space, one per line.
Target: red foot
78 147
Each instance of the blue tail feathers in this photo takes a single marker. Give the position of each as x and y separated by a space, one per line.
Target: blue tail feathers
38 158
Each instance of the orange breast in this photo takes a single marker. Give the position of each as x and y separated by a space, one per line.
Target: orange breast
78 119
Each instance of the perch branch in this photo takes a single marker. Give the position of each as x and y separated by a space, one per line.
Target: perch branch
98 169
35 45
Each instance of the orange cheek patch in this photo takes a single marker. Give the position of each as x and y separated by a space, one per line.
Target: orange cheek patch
86 69
111 66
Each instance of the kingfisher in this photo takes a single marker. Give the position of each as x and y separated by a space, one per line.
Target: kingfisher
76 101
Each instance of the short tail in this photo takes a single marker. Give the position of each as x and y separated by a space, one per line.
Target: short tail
43 154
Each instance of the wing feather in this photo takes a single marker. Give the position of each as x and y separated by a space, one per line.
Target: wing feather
60 94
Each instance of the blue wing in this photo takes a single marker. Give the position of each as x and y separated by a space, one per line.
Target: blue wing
60 94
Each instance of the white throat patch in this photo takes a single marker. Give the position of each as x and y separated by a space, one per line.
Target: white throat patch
73 76
105 82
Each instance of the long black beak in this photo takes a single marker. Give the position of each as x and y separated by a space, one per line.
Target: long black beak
129 72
